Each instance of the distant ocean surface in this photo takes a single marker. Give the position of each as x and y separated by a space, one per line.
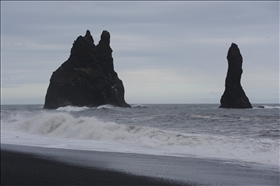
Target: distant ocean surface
184 130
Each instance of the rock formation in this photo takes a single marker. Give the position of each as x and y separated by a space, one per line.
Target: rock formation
234 95
87 78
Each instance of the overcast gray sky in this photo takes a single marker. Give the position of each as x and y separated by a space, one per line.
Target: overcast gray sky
164 51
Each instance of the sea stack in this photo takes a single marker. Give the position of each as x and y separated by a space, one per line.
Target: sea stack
87 77
234 95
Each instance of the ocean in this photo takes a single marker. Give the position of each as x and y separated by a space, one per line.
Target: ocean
235 136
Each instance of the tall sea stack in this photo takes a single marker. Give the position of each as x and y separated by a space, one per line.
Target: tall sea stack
234 95
87 78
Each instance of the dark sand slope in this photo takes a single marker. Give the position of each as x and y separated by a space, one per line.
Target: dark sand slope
25 165
25 169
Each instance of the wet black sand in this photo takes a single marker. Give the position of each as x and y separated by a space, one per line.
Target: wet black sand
25 169
26 165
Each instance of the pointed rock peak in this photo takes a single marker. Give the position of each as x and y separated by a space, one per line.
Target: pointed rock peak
234 45
234 50
105 37
88 37
88 33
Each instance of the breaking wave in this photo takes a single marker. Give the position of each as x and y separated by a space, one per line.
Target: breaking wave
108 106
267 107
72 109
64 125
139 106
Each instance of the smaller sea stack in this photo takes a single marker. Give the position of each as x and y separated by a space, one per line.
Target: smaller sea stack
234 95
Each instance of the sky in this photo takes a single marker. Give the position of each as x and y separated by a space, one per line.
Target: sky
163 51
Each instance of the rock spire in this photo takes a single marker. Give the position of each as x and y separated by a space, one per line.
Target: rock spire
234 95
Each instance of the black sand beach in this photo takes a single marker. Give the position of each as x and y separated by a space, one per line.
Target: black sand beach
26 165
25 169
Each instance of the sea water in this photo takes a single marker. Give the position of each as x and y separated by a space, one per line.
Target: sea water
184 130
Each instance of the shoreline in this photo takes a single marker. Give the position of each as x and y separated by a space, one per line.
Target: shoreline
27 165
19 168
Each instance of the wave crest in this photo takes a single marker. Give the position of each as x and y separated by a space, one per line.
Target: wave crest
267 107
72 109
63 125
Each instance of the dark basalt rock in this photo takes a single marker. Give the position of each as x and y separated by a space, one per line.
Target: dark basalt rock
87 78
234 95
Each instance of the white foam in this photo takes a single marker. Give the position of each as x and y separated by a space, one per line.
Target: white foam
72 109
62 130
108 106
267 107
201 116
139 106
